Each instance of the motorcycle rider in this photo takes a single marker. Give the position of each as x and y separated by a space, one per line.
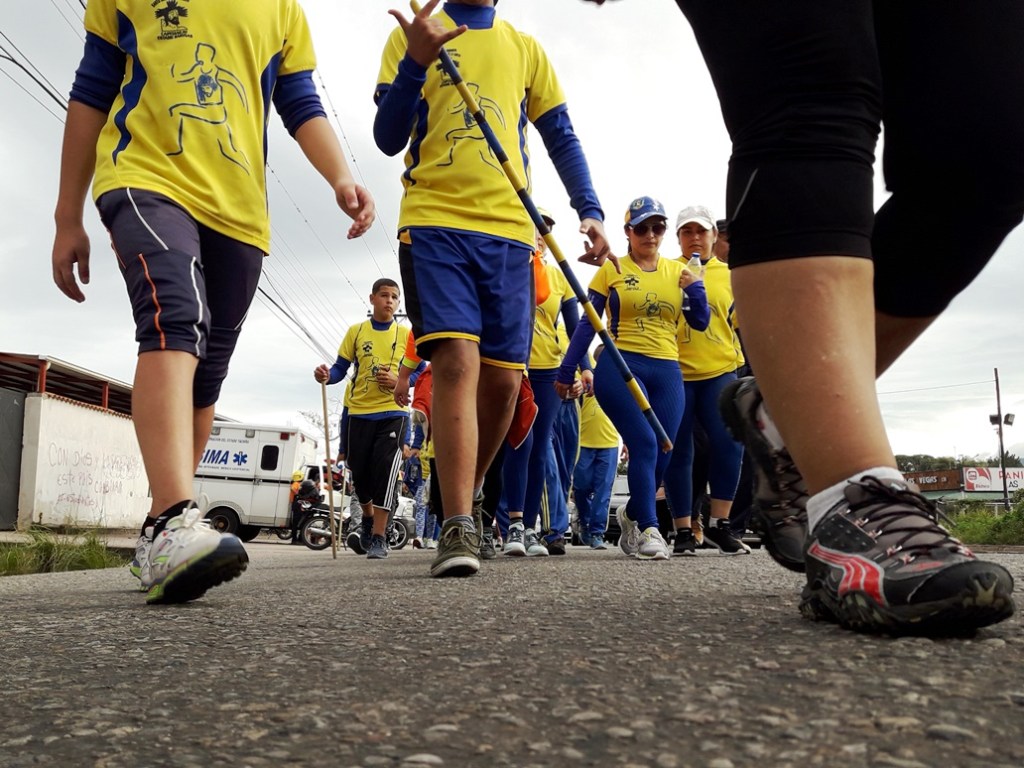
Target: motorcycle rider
305 499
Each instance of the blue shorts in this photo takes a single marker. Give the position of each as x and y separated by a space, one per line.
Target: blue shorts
189 286
464 285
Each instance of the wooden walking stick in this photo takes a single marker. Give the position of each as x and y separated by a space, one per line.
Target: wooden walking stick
327 469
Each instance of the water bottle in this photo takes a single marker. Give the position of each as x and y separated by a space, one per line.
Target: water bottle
695 265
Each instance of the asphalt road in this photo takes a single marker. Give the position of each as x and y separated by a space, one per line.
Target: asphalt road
590 659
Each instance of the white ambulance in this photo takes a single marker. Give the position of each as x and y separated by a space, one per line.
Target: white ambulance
246 473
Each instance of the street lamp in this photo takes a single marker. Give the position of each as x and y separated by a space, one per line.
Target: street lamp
998 420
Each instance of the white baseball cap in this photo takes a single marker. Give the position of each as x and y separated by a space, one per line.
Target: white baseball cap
698 214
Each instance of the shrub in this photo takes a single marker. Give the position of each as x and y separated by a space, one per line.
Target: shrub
975 523
47 552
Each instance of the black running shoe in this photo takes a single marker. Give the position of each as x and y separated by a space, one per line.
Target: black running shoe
487 548
556 546
880 562
719 533
365 533
685 544
780 493
378 548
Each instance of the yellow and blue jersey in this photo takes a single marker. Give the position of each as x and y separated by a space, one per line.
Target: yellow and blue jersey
596 429
367 348
643 308
715 350
189 120
547 349
448 162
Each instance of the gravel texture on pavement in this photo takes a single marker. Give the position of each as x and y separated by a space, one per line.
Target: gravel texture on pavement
592 659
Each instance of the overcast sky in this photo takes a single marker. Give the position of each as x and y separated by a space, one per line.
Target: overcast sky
644 108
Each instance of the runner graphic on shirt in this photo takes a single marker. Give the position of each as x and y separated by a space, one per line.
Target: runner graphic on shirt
469 130
209 81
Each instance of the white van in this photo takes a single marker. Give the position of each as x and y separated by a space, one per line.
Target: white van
246 472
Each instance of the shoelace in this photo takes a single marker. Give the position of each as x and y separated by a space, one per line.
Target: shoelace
789 484
471 537
911 528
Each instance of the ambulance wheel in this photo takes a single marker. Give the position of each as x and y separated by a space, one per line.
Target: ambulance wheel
223 519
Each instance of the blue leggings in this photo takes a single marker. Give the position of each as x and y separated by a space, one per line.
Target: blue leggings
565 446
726 455
525 468
662 383
592 487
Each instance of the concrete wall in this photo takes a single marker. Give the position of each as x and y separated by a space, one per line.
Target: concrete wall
80 466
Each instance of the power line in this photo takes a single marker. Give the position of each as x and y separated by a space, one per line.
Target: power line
52 90
316 346
315 233
74 29
945 386
352 156
299 277
31 95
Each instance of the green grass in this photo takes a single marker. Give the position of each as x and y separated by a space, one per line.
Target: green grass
46 552
974 523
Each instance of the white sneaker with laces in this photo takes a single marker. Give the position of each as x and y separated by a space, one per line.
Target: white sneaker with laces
189 557
534 546
629 538
142 546
652 545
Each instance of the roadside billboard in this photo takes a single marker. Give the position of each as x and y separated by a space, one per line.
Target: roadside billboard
936 480
991 479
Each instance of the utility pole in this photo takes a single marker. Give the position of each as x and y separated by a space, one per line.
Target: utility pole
1002 453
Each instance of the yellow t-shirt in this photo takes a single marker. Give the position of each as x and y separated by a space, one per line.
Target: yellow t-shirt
368 350
452 179
596 429
643 307
713 351
190 119
546 351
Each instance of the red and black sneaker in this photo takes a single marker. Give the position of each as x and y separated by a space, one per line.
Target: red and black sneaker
879 561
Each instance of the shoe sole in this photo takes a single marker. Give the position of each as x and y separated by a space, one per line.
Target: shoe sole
985 600
736 425
545 553
463 565
657 556
192 579
514 550
376 557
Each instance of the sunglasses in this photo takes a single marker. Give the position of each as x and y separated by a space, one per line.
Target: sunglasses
642 229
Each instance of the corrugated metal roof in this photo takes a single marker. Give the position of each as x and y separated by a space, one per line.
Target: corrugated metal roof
38 373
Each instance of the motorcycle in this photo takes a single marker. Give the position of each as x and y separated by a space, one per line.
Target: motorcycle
315 531
400 530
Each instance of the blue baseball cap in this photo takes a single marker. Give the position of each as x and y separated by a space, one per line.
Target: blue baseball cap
642 209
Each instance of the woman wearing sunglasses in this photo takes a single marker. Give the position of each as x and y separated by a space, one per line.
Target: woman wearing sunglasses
643 303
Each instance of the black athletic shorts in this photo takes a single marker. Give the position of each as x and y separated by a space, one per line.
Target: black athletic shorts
190 287
804 86
374 455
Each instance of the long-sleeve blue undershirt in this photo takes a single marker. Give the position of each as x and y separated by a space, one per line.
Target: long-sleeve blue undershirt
99 75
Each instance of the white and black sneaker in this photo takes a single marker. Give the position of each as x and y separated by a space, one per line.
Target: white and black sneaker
720 534
188 557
